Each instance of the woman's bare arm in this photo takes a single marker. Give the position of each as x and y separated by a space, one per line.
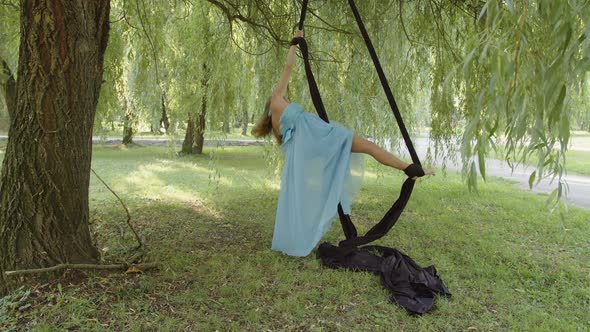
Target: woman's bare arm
281 88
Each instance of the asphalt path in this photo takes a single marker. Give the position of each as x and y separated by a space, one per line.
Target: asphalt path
578 187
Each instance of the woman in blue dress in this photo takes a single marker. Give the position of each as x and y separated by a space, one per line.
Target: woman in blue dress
321 168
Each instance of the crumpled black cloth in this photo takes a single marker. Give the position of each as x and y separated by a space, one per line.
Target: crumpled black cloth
412 287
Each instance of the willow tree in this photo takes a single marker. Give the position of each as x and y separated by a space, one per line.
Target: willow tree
205 78
519 73
497 73
113 102
187 64
151 19
46 169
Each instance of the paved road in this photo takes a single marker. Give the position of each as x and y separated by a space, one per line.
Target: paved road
579 186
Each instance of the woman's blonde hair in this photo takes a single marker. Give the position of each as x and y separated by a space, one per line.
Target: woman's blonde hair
264 125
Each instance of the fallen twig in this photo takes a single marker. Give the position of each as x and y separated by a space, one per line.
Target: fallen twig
59 267
139 242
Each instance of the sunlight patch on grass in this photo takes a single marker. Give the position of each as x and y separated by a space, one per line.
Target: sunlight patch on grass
151 181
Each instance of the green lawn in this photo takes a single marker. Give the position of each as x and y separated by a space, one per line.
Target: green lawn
577 162
509 264
580 138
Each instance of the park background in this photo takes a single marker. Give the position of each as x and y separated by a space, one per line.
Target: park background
181 84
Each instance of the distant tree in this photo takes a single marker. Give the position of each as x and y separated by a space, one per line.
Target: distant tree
7 87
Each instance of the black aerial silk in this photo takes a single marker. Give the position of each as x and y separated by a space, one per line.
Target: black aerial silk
411 286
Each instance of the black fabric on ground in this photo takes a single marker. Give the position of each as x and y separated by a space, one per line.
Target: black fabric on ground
411 286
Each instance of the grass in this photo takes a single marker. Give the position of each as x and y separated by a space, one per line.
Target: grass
509 264
577 158
580 138
577 162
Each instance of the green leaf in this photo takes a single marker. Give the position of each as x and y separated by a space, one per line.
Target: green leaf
556 112
551 197
481 159
483 10
532 179
24 307
510 5
472 178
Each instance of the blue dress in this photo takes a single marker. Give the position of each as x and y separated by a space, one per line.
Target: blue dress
319 171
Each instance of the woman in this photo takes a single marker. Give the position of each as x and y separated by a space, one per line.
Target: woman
317 174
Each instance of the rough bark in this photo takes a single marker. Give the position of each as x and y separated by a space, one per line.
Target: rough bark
8 88
46 170
3 288
189 137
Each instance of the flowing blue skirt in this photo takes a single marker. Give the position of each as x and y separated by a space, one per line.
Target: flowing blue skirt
319 172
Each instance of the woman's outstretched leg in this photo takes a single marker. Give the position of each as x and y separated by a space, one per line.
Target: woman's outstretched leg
361 145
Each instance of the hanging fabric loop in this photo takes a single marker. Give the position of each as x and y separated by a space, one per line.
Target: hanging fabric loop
411 286
391 217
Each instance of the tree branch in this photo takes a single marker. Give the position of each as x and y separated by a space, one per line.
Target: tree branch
59 267
238 16
154 53
139 242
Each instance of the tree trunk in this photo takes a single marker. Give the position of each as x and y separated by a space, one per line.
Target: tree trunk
189 137
156 123
46 169
200 129
245 123
173 127
225 126
164 121
128 131
8 87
